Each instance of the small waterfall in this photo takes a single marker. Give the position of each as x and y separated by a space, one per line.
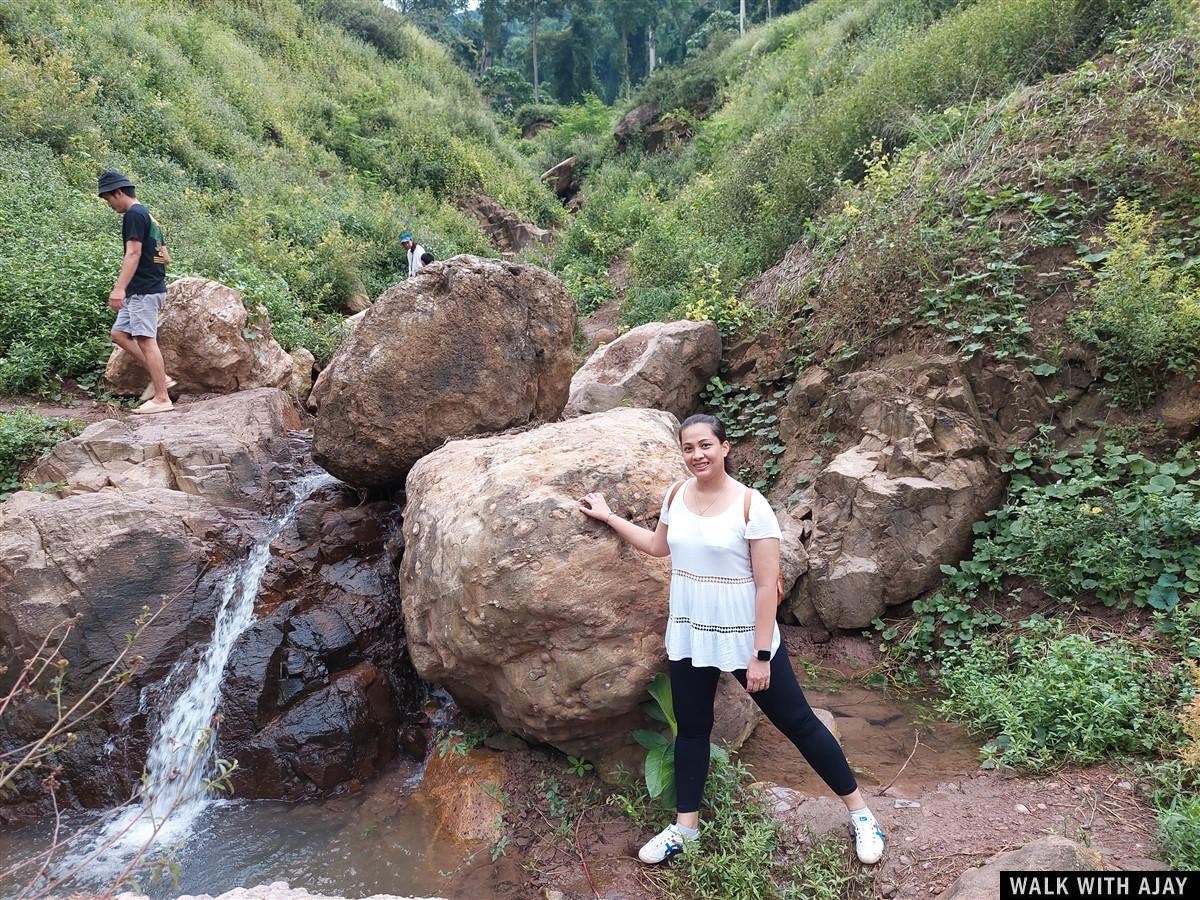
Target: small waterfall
182 754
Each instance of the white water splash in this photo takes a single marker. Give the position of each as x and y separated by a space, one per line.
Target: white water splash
182 755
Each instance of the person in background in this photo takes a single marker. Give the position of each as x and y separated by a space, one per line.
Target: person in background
140 288
426 259
723 540
415 251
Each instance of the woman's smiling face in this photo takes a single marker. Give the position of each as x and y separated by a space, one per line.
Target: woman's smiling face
702 450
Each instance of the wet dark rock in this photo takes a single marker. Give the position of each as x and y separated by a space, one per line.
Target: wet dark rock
319 690
102 557
344 731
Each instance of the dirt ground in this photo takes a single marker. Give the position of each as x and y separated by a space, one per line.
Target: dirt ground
941 812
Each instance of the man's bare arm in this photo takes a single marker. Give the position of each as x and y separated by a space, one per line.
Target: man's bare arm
133 251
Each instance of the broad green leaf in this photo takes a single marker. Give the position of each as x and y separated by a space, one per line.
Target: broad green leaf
654 711
1160 484
651 740
660 690
660 770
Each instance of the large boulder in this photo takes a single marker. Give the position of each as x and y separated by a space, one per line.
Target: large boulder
661 365
227 449
634 122
1048 854
210 343
99 558
901 503
519 604
469 346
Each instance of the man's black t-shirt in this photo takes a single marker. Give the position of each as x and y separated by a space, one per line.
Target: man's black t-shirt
151 276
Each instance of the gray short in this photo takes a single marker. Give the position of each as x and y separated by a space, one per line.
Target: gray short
139 315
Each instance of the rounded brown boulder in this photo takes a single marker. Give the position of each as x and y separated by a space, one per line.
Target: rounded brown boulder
519 604
210 343
662 365
469 346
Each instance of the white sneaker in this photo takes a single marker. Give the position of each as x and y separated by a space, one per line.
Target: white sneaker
148 393
151 406
868 838
662 846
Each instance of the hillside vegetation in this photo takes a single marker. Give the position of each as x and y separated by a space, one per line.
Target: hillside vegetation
1013 184
789 108
282 153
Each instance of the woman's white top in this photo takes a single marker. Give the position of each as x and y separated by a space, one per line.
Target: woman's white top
712 583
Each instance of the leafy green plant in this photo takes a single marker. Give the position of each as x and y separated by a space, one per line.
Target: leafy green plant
735 855
708 300
457 741
1055 698
826 872
749 413
1104 522
659 766
1144 316
578 766
24 436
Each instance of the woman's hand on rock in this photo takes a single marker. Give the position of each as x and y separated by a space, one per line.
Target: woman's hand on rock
594 505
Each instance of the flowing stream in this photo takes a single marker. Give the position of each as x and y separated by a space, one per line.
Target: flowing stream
182 757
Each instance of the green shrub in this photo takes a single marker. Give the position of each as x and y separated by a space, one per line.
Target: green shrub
1054 698
24 436
1179 831
536 112
828 872
1117 525
62 251
1113 524
506 89
1144 315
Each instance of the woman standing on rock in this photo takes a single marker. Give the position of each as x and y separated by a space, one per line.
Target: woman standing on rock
723 540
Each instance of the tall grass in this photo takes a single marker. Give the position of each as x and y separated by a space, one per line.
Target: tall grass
802 95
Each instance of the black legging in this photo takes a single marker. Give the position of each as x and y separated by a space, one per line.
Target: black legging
693 691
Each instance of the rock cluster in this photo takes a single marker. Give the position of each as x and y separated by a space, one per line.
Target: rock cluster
889 511
227 450
163 510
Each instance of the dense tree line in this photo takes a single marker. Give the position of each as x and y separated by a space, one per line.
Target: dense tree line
525 51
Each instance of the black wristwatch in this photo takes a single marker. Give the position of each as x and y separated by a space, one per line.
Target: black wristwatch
764 655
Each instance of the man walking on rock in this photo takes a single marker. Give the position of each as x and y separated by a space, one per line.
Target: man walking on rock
140 288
